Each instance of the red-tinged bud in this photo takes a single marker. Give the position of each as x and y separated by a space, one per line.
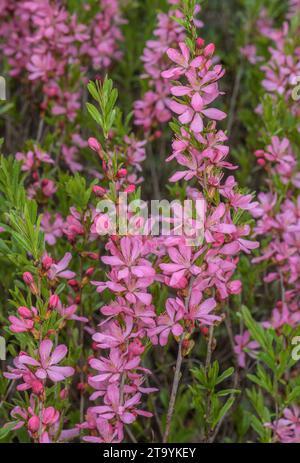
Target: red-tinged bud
28 278
261 162
45 182
73 283
93 255
259 153
90 271
130 189
122 173
204 330
51 91
34 424
114 238
25 312
53 301
64 394
157 134
98 190
47 261
200 42
35 176
37 387
187 347
81 386
77 299
94 345
94 144
209 49
136 347
29 281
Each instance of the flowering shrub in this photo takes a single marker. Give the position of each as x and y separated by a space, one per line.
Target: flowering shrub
182 325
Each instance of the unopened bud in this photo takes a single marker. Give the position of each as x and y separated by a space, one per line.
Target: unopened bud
200 42
122 173
90 271
94 144
98 190
130 189
209 49
28 278
53 301
24 312
34 424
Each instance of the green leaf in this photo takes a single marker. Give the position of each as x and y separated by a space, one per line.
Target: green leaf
94 113
224 410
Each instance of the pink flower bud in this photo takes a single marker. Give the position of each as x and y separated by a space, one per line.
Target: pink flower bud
50 415
37 387
90 271
122 173
136 348
204 330
73 283
261 162
94 144
34 423
64 394
98 190
28 278
80 386
209 49
29 281
235 287
24 312
53 301
157 134
200 42
259 153
130 189
47 261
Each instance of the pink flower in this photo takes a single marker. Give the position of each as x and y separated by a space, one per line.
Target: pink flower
169 322
128 259
40 66
25 322
106 431
200 311
243 342
21 371
69 313
182 59
114 335
125 412
193 114
110 369
52 227
47 363
59 270
73 225
287 428
182 264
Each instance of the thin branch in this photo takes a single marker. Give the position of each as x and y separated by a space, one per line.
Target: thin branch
209 347
176 380
177 374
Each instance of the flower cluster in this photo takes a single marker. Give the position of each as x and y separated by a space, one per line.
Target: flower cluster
120 377
153 108
41 366
46 45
